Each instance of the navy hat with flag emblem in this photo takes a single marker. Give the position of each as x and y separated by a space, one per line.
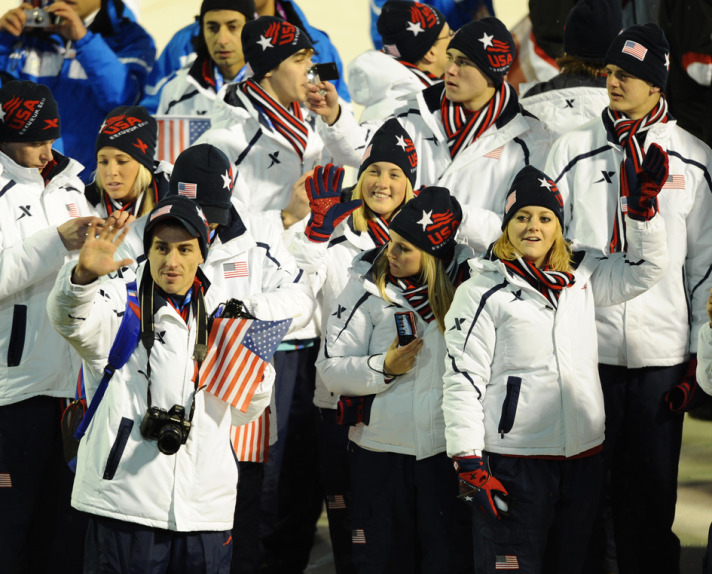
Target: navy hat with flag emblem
132 130
429 221
488 43
392 143
185 212
642 51
533 187
268 41
28 113
204 174
409 29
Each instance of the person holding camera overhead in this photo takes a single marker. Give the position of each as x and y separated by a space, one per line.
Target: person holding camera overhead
405 514
522 399
90 53
155 471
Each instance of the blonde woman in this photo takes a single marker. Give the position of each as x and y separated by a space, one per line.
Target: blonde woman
405 516
522 399
336 233
127 178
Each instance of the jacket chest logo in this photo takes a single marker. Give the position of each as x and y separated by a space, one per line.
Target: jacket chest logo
275 159
24 211
607 176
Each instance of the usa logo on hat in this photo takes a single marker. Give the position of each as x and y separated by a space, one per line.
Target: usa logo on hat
422 17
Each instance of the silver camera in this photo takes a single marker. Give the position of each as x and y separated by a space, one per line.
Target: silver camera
40 18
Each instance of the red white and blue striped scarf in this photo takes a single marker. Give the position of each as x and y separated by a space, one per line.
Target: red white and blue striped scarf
548 283
631 136
378 230
289 123
417 294
463 128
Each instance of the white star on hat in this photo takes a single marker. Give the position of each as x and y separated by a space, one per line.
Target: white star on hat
667 61
545 184
416 28
265 43
400 141
226 180
426 219
2 115
486 40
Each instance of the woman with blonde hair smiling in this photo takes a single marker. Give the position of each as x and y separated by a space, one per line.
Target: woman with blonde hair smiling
522 399
127 177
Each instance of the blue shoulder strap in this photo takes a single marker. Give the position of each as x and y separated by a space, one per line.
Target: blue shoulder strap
124 345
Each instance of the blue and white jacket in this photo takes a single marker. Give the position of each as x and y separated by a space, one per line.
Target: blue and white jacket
521 376
106 68
658 328
34 360
406 415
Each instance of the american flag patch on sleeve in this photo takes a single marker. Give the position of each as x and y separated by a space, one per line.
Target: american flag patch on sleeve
72 210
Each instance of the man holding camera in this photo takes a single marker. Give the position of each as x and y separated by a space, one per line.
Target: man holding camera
86 51
156 471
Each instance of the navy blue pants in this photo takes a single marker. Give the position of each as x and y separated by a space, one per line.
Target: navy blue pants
39 531
334 472
406 516
117 547
553 506
246 545
642 453
291 491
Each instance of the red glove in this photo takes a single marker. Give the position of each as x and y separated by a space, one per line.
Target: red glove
479 488
645 185
680 398
327 211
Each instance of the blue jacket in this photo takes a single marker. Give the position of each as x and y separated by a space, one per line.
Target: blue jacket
457 13
105 69
179 52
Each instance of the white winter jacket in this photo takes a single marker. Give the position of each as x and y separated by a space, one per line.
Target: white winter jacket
120 474
406 415
521 377
566 105
34 359
653 329
381 84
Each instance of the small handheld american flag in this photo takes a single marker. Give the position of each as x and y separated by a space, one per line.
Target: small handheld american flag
176 133
239 350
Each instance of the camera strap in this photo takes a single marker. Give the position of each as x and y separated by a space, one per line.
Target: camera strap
200 349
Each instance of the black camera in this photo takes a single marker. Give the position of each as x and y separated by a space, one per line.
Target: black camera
40 18
169 429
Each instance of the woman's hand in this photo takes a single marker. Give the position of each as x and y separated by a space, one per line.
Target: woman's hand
400 360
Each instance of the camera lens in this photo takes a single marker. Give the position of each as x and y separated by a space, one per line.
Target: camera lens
170 438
